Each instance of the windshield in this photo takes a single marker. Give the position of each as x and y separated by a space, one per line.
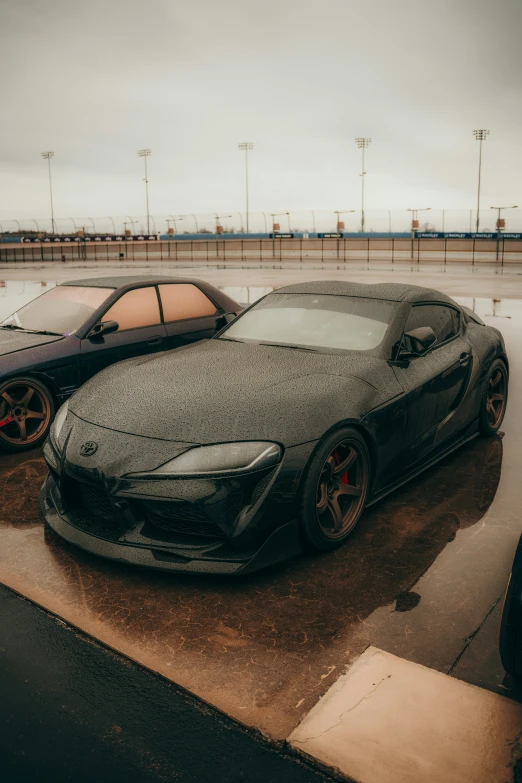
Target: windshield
62 310
315 322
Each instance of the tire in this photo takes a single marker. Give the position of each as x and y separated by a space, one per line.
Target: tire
494 399
511 625
332 498
26 413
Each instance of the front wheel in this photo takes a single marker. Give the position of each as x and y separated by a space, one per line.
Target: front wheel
335 489
26 413
494 399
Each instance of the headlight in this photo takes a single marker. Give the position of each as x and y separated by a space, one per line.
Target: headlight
59 421
222 458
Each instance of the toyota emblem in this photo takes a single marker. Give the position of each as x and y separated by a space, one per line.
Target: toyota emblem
89 448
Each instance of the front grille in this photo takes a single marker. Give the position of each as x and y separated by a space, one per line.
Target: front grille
89 508
182 518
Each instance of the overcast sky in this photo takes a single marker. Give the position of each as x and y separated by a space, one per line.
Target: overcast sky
95 80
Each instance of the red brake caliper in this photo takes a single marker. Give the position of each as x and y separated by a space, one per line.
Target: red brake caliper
344 477
3 422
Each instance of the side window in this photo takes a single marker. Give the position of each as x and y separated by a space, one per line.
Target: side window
184 300
136 308
443 320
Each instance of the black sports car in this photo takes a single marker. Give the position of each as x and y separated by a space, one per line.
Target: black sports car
55 343
274 435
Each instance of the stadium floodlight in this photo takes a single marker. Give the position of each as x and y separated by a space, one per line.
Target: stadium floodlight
362 142
145 154
246 146
47 156
480 136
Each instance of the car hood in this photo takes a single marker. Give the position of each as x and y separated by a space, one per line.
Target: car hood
12 341
219 391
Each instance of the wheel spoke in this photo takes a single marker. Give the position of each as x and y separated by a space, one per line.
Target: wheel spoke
27 396
322 501
495 379
9 399
23 429
346 463
335 510
35 415
496 397
349 489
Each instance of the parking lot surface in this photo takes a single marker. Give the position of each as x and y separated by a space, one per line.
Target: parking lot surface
420 578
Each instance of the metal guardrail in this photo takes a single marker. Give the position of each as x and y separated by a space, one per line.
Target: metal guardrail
365 249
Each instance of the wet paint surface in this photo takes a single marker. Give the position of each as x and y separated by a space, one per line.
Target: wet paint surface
417 578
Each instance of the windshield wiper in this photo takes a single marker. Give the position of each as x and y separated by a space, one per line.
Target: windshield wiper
293 347
230 339
29 331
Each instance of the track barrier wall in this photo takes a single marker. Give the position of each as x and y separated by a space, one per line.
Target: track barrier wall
317 250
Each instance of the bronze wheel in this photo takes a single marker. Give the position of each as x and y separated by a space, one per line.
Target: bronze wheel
340 490
335 489
494 399
26 412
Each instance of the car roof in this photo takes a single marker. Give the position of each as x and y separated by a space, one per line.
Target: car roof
394 292
120 281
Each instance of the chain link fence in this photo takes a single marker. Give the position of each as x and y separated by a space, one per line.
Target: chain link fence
308 221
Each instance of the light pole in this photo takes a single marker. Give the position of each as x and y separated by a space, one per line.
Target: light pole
415 222
278 214
217 218
173 220
341 212
47 156
362 142
145 154
480 136
313 220
501 224
246 146
129 222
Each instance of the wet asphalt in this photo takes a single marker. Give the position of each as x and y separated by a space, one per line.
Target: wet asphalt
422 577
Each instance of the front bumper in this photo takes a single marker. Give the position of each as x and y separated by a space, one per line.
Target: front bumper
282 544
226 526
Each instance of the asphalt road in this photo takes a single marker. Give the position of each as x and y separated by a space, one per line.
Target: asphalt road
73 711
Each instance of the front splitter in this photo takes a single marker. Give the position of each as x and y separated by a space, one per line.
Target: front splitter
282 544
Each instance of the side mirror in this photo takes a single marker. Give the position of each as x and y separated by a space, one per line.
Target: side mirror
418 341
105 327
224 320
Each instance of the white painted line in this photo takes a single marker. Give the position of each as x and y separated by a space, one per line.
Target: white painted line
391 720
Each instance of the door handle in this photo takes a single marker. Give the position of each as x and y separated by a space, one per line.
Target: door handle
155 340
464 358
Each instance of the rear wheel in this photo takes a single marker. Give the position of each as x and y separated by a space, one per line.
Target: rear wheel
335 489
26 412
494 399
